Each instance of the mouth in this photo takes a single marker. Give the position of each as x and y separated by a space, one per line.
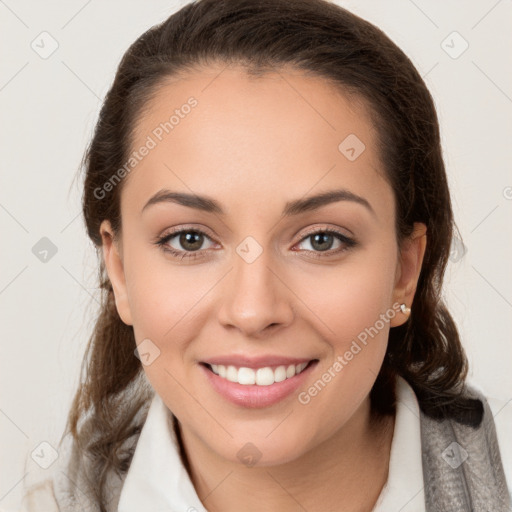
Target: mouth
264 376
257 387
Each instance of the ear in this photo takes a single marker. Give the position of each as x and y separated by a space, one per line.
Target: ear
408 270
112 256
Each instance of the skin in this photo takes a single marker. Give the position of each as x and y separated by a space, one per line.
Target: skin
253 144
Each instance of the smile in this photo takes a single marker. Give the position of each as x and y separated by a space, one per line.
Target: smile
265 376
259 386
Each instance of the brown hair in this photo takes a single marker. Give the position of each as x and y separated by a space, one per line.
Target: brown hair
321 38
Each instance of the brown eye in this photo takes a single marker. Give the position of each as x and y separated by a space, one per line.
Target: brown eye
191 240
185 243
322 241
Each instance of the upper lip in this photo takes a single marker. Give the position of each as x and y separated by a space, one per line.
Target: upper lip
256 362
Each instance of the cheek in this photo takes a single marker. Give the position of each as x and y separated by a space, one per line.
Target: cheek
350 297
163 296
165 302
352 311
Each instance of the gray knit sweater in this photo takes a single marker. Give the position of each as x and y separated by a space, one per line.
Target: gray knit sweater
475 485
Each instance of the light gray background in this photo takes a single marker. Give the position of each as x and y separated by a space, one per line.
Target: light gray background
49 107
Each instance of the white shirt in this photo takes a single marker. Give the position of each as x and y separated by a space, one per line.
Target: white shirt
404 488
157 481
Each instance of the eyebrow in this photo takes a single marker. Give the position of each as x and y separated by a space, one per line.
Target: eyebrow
291 208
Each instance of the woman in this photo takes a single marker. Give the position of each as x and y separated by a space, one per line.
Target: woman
267 194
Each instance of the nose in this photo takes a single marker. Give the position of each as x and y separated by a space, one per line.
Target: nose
255 298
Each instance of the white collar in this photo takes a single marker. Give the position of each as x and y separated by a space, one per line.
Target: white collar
157 481
404 489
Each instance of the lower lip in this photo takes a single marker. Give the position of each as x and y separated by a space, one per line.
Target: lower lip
254 396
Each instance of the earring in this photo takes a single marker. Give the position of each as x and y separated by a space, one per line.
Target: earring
405 310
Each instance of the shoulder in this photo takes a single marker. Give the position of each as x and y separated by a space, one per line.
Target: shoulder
57 487
39 490
40 496
499 413
69 484
479 424
466 453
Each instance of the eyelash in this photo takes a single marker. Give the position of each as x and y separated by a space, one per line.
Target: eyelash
162 243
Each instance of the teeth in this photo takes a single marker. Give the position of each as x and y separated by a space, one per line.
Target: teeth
262 376
232 374
246 376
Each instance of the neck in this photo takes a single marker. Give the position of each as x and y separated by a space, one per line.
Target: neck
345 473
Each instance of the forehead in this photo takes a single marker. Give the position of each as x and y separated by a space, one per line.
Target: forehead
281 134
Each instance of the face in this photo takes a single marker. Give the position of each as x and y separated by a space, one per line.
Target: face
246 272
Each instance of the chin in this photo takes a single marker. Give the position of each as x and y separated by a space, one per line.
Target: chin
265 451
